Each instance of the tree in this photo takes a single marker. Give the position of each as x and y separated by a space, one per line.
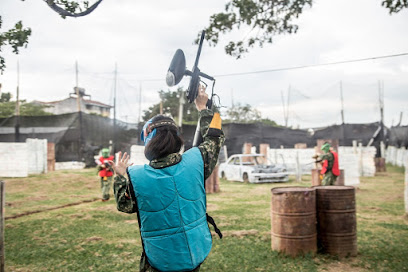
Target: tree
8 108
170 103
265 19
5 97
246 114
17 37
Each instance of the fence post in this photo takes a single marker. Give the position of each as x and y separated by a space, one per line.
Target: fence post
2 206
298 168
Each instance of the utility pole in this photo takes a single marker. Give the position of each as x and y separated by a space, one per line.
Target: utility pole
342 102
381 103
17 125
140 104
77 87
232 98
81 138
283 106
286 107
114 108
342 113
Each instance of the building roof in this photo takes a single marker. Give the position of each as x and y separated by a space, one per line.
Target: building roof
86 101
97 103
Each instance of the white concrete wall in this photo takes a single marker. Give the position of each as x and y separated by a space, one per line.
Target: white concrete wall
137 156
365 159
37 156
288 156
356 161
15 160
350 162
72 165
396 156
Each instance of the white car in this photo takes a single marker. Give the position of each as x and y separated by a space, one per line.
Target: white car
253 168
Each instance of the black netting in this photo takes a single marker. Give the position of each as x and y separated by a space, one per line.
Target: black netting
74 144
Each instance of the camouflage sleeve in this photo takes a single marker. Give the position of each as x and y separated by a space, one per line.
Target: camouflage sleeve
125 201
324 157
213 139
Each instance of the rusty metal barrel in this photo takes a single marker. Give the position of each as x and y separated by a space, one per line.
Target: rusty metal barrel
336 220
293 215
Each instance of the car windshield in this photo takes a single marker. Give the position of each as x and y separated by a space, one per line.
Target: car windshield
254 160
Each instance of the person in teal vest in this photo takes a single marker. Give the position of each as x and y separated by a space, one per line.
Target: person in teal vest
168 194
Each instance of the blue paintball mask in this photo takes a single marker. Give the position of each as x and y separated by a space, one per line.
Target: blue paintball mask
147 133
149 129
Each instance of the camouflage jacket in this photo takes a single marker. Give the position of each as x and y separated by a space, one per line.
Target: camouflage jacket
213 139
330 159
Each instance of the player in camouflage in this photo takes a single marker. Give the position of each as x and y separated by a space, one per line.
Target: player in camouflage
213 139
330 168
105 173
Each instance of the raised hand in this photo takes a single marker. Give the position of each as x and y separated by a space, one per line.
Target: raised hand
121 165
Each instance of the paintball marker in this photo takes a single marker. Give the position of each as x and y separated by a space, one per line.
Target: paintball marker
178 70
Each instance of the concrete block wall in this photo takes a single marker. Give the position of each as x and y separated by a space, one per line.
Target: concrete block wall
350 162
288 156
355 163
72 165
396 156
365 159
15 162
37 156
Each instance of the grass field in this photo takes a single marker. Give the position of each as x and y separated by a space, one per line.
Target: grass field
94 236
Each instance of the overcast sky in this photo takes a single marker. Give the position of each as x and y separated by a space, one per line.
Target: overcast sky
142 36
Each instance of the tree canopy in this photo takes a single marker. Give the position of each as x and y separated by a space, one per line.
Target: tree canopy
170 104
8 107
246 114
264 19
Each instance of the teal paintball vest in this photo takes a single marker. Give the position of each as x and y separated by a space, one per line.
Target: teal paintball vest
172 211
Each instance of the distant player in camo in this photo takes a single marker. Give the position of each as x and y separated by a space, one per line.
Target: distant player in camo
330 165
105 173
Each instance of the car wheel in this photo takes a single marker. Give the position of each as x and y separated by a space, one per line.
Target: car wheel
245 177
223 175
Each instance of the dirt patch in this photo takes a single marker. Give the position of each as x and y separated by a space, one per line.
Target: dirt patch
345 265
93 238
258 202
260 191
119 243
36 198
13 268
212 207
111 208
14 204
50 209
131 222
237 233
